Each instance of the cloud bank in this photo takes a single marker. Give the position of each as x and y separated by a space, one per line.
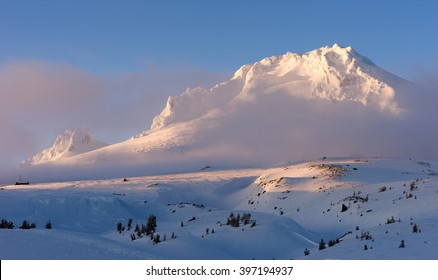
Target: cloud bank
40 99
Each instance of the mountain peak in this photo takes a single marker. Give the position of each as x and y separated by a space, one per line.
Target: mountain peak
68 143
333 73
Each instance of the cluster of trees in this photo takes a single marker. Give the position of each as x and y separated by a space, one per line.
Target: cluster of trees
121 227
148 229
24 225
5 224
235 221
391 220
322 244
413 185
143 230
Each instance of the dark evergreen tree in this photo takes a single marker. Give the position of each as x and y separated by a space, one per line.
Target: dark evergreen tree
129 224
321 244
402 244
119 227
5 224
415 228
151 224
156 238
331 243
306 252
49 225
412 186
246 218
344 208
25 225
137 231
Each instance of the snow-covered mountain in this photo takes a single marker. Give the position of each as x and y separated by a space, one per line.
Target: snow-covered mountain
69 143
292 152
332 73
330 101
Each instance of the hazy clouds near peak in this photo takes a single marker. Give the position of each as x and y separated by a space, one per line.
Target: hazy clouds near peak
40 99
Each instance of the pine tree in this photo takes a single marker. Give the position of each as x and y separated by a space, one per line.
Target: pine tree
49 225
151 224
156 239
5 224
321 245
344 208
415 228
306 252
119 227
129 224
402 244
25 225
137 230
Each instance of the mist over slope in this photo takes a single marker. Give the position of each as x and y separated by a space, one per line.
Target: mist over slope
328 102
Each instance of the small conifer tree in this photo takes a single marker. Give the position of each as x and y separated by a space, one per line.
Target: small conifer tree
415 228
402 244
49 225
321 244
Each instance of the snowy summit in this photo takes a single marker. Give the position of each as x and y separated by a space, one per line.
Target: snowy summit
69 143
333 73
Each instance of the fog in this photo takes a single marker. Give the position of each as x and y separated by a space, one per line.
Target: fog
39 100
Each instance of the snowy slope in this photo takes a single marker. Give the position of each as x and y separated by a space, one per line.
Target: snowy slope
69 143
293 207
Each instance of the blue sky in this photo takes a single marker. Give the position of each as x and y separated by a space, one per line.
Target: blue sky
110 65
107 37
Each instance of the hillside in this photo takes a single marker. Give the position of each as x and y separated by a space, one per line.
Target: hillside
353 203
